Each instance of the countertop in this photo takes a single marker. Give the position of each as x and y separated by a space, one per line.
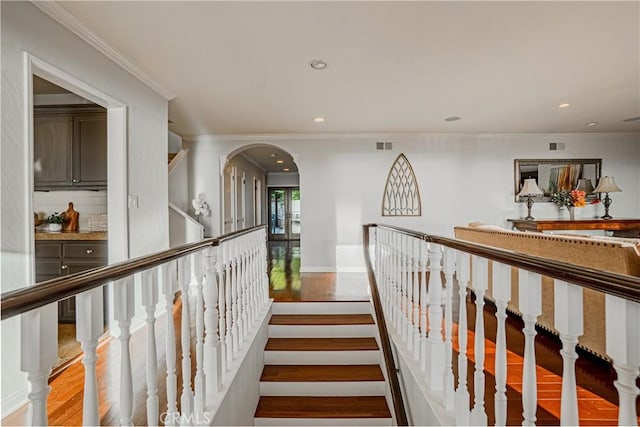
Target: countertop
70 235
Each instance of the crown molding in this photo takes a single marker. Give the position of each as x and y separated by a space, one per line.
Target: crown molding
73 24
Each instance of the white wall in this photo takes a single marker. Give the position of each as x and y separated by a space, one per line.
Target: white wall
26 29
283 179
179 186
462 178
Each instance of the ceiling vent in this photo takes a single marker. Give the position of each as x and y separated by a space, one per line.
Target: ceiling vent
384 145
553 146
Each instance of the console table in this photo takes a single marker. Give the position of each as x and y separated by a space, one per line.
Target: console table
621 227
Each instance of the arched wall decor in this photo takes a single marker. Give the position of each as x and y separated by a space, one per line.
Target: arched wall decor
401 194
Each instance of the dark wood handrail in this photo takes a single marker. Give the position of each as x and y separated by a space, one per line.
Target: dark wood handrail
392 375
620 285
25 299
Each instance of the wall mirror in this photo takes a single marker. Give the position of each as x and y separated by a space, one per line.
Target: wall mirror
553 175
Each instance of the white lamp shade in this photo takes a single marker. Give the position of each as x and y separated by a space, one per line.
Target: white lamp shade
607 185
530 188
584 184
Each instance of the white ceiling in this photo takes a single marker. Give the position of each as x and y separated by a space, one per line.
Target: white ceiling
242 67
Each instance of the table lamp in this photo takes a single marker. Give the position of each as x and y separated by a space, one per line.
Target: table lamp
529 189
584 184
607 185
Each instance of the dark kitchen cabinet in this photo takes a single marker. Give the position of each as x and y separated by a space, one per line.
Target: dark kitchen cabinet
70 149
61 258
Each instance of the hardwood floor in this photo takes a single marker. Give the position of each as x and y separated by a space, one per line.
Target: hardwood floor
596 393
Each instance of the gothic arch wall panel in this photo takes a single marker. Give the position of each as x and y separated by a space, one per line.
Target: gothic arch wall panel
401 194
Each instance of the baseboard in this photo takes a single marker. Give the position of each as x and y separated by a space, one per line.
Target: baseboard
14 401
352 269
317 269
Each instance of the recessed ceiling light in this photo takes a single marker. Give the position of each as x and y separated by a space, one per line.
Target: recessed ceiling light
591 124
452 119
319 119
564 105
632 119
286 169
273 155
318 64
279 161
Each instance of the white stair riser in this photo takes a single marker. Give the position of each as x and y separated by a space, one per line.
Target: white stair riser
321 331
347 307
361 357
338 388
322 421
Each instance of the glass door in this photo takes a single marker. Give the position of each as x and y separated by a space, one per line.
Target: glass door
284 213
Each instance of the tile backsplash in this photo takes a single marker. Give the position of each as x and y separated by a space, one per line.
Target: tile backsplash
85 202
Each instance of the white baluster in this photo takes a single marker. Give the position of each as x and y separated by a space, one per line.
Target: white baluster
530 305
423 306
409 299
479 283
169 287
89 327
245 287
568 320
235 270
397 278
186 398
404 285
449 266
435 367
199 380
38 354
228 345
462 392
149 294
124 309
415 278
623 345
502 295
212 349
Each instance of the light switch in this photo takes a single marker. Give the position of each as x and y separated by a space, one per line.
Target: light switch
133 201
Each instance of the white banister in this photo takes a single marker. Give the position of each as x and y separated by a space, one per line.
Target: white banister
435 368
623 345
530 304
568 320
89 328
149 294
449 267
168 278
199 397
38 354
502 295
186 398
480 271
462 393
124 309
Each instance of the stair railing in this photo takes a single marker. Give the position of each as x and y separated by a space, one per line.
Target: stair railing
409 271
224 293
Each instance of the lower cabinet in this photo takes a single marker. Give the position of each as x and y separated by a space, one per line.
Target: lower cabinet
60 258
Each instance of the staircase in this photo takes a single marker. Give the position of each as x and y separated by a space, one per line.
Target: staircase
322 367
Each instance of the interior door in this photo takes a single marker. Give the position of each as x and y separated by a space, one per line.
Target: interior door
284 213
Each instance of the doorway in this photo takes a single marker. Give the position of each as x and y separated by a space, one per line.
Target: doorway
284 213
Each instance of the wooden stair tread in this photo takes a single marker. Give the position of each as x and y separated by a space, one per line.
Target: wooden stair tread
321 344
322 407
321 373
321 319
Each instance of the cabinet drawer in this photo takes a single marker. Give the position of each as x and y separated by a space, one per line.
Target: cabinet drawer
89 251
48 250
47 269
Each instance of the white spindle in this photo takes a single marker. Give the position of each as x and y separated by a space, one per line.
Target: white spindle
228 347
529 297
212 350
199 397
479 283
149 294
568 320
404 285
423 305
409 300
124 309
449 266
186 398
623 345
397 279
169 281
435 368
501 295
89 328
462 393
38 354
235 267
415 278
